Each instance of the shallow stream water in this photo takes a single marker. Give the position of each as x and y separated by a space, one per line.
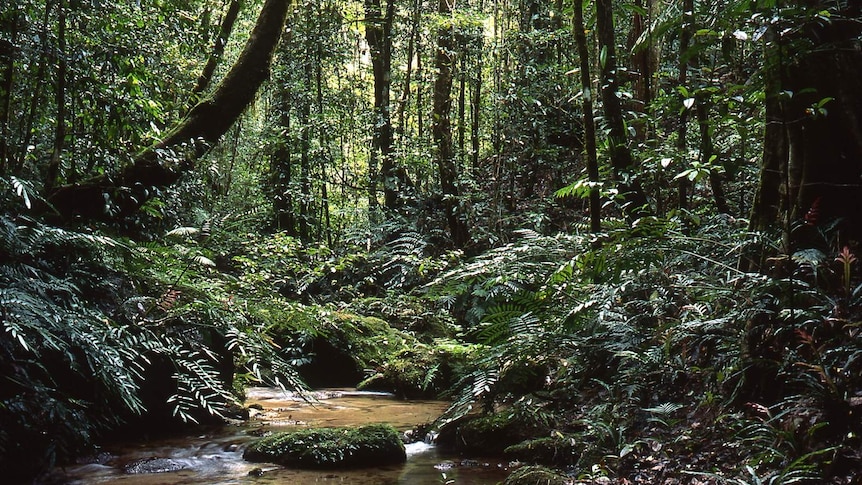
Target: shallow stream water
214 455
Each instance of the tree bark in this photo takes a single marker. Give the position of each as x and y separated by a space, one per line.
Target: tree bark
682 79
441 129
52 173
225 30
163 163
281 173
588 118
635 202
378 34
812 160
8 53
707 151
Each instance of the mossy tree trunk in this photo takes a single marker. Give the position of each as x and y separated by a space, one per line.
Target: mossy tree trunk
163 163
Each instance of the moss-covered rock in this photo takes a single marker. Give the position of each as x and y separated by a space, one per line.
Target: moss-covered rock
536 475
423 370
551 451
330 448
488 435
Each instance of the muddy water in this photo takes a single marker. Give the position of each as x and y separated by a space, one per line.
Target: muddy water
214 455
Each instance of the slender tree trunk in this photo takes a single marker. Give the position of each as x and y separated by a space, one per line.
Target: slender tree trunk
635 201
305 214
411 47
441 129
280 167
706 153
476 108
462 109
8 54
26 133
643 62
217 51
378 34
52 173
588 118
682 79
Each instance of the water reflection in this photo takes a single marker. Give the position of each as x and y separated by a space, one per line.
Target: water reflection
214 456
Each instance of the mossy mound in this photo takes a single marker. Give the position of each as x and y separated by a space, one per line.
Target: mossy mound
489 435
551 451
536 475
330 448
423 370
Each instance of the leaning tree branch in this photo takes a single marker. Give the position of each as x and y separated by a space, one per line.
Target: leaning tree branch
162 164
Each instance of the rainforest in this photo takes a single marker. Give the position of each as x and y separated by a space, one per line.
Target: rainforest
545 241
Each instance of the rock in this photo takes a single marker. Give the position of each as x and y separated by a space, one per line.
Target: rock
154 465
331 448
537 475
550 451
486 435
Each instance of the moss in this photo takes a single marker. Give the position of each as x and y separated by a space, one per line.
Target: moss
330 448
536 475
423 370
492 434
552 451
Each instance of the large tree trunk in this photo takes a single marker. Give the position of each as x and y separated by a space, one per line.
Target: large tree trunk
441 130
812 160
162 164
635 202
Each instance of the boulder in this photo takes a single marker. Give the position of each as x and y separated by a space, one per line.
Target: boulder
537 475
330 448
555 450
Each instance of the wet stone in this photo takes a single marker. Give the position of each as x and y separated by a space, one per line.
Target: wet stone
154 465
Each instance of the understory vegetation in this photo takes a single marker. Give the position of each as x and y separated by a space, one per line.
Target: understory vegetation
621 238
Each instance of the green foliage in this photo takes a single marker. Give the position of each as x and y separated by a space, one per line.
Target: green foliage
654 328
89 322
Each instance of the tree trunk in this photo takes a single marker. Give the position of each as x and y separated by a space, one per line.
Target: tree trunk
441 129
158 166
462 109
707 152
281 172
635 202
411 47
225 30
682 79
476 109
588 118
26 128
52 173
8 53
305 214
378 34
812 160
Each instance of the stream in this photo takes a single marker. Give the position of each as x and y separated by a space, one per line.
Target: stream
213 455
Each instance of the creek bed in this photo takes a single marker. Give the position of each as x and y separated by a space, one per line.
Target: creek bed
213 455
